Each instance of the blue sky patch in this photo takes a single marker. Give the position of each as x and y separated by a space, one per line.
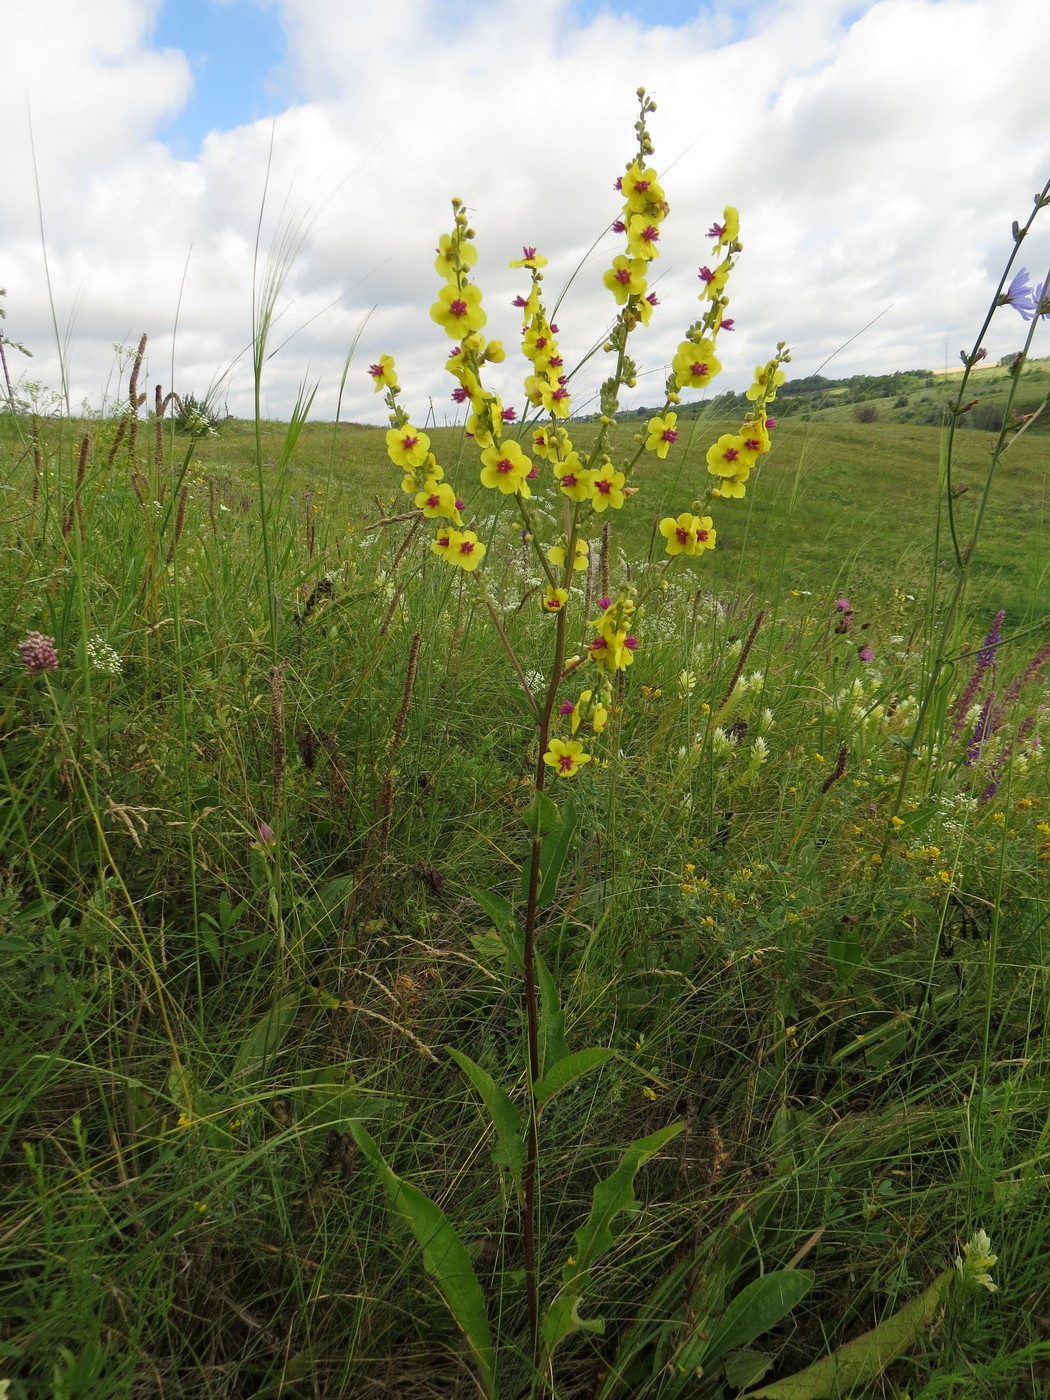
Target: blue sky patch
235 49
648 12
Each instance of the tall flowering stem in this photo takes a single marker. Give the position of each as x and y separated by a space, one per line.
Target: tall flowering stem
1012 292
534 454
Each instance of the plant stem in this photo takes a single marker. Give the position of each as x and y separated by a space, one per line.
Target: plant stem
532 1010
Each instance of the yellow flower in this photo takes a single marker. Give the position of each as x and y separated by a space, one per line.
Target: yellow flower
662 434
724 456
642 235
424 476
553 396
587 710
626 278
695 365
768 380
607 488
504 468
556 555
450 247
531 259
465 549
729 230
437 499
689 534
383 374
574 480
406 447
554 600
641 189
565 756
458 309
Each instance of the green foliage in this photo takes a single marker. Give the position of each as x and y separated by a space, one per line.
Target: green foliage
253 897
444 1258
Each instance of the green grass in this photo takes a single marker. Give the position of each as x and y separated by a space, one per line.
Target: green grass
847 1012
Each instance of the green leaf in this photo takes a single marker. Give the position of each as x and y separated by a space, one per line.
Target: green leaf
505 1117
495 906
552 1045
444 1257
859 1362
922 816
553 850
684 1302
323 916
568 1070
846 956
208 940
744 1368
756 1309
594 1238
542 815
552 856
265 1038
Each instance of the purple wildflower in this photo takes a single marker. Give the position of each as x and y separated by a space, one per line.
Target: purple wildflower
38 653
266 836
1038 305
1019 295
981 730
843 605
995 776
986 655
866 654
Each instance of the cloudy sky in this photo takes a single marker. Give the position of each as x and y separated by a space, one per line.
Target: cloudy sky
878 153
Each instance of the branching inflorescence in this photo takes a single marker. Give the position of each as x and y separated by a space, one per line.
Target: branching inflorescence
589 484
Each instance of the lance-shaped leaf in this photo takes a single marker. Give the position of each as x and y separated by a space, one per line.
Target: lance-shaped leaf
552 1045
858 1363
568 1070
553 850
265 1038
595 1237
505 1117
444 1257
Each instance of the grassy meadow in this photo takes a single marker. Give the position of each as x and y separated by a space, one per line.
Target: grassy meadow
241 835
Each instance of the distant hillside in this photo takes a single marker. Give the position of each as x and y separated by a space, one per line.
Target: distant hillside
916 396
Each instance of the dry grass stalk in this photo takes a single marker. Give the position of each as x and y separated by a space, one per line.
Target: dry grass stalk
135 399
391 610
741 663
180 521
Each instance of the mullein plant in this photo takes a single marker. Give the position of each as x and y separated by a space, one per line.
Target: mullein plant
529 461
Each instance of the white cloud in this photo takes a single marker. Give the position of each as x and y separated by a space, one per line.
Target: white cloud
877 158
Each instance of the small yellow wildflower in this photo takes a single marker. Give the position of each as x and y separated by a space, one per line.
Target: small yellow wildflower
406 447
458 310
662 434
565 756
607 488
384 374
